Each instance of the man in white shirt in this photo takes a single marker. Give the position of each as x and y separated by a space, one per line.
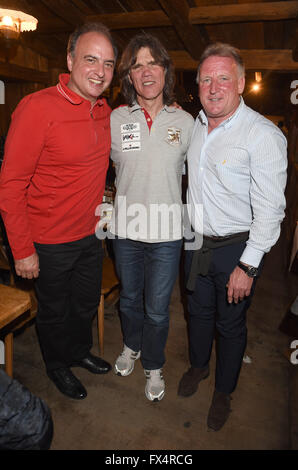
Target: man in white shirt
237 163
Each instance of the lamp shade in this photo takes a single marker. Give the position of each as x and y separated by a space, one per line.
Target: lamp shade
14 22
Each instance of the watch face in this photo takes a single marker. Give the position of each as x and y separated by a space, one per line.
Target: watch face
252 272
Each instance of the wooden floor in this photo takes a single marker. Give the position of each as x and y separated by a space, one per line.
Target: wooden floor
117 416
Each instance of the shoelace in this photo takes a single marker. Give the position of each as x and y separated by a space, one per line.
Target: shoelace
129 354
155 376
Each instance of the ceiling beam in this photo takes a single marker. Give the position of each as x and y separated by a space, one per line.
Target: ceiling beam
233 13
244 12
70 14
269 59
178 12
81 5
136 19
26 74
215 14
254 59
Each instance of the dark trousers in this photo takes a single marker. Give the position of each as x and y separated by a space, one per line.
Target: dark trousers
147 272
68 294
210 312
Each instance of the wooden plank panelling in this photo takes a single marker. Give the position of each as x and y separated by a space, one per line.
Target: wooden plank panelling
233 13
23 73
244 12
275 59
295 49
178 12
137 19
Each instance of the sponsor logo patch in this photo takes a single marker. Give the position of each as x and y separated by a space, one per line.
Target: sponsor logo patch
130 127
174 136
128 146
131 136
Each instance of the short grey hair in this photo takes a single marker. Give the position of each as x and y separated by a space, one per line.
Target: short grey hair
90 28
221 49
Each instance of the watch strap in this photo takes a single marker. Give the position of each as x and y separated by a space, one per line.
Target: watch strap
251 271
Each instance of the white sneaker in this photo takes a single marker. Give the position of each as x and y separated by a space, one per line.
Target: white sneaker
155 386
126 361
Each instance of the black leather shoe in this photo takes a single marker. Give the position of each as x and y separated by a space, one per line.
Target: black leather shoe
189 383
94 364
219 410
67 383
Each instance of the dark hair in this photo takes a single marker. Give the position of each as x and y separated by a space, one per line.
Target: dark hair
160 56
222 50
89 28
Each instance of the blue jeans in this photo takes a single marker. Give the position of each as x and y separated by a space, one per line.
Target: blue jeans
147 273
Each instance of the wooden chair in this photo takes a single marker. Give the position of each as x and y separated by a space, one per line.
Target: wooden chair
109 283
15 313
15 307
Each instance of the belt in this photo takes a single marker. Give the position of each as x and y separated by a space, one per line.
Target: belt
220 239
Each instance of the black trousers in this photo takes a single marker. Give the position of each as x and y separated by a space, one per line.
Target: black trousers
68 294
210 312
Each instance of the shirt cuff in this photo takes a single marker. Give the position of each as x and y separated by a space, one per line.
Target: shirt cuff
252 256
22 254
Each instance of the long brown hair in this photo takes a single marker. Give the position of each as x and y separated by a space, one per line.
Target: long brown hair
161 57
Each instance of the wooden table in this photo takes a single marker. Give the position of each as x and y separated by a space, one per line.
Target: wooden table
15 307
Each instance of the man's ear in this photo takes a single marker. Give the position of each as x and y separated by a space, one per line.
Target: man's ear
241 84
69 62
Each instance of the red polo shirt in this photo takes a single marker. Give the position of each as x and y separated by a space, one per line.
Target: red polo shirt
53 174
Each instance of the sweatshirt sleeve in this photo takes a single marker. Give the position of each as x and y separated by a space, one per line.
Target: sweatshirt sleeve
24 143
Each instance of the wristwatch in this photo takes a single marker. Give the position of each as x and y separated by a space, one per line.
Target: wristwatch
251 271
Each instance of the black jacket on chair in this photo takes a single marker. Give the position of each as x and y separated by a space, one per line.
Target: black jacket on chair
25 420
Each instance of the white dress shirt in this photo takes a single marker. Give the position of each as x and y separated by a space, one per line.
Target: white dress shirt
237 173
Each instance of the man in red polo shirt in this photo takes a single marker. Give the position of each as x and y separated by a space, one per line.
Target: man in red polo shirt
52 180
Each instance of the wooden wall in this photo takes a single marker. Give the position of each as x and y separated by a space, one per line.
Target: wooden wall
291 219
22 71
14 92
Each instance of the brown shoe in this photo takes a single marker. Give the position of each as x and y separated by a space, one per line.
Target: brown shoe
188 385
219 411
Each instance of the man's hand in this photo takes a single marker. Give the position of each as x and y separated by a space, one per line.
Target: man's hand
28 268
239 285
175 105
